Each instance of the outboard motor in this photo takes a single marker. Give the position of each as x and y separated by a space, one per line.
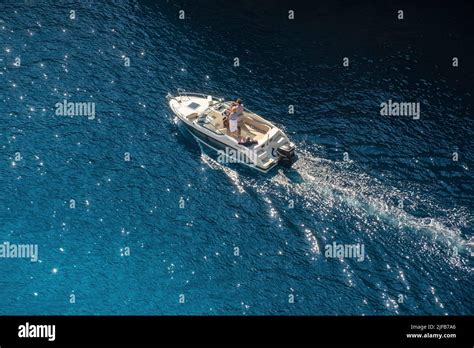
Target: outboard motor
287 154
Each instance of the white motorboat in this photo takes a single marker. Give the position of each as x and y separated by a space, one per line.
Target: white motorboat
260 143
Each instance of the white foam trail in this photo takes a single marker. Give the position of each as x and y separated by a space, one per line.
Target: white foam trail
328 183
311 239
325 183
232 174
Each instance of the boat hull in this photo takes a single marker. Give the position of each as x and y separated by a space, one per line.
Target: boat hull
260 154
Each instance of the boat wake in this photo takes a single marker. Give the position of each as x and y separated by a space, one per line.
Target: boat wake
367 195
231 174
323 186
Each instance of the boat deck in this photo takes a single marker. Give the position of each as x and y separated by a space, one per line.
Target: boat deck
249 126
200 111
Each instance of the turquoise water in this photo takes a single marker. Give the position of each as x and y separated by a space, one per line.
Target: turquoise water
281 221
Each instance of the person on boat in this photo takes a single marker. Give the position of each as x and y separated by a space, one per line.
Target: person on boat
226 114
236 110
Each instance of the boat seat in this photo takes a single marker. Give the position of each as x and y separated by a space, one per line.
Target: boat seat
218 120
192 116
252 128
248 131
255 126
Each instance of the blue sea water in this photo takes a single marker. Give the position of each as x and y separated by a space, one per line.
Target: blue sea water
417 256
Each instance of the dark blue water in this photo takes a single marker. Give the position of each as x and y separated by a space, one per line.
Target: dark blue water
420 250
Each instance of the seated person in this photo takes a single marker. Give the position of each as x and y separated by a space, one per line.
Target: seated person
246 141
